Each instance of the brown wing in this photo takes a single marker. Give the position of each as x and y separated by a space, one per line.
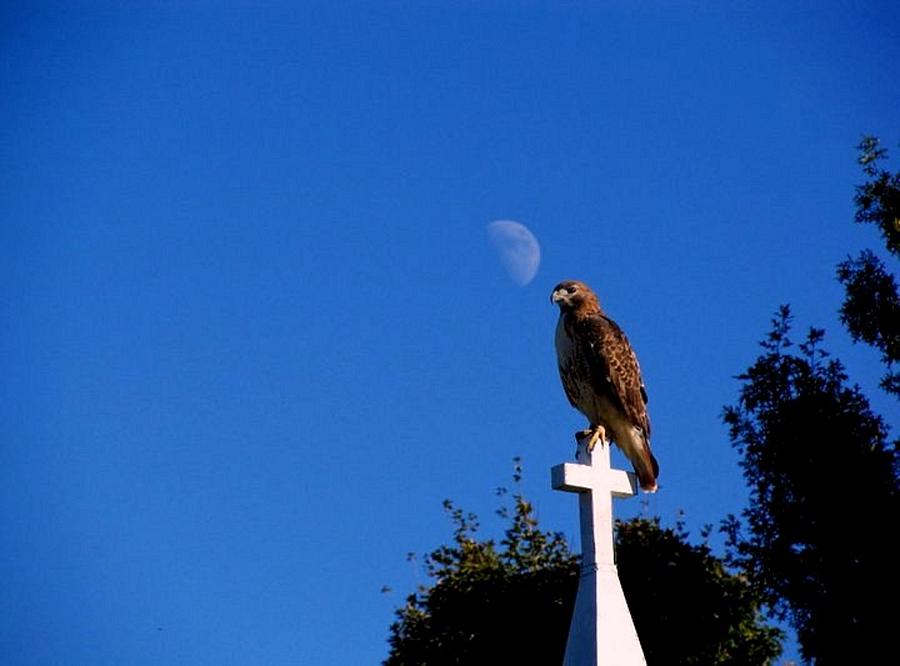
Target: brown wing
615 369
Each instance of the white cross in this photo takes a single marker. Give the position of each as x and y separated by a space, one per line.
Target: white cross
602 632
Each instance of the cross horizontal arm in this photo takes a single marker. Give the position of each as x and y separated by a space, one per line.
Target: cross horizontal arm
575 478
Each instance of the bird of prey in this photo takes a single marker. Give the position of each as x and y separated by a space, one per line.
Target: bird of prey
602 379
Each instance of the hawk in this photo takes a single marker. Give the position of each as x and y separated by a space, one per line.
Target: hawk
602 379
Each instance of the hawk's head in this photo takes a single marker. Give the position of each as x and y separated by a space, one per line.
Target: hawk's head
574 295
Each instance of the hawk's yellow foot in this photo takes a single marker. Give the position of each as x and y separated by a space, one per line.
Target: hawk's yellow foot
593 435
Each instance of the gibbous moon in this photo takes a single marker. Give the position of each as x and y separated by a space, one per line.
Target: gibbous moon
518 249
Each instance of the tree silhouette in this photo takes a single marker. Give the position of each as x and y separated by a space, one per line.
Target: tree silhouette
490 603
871 308
687 607
824 499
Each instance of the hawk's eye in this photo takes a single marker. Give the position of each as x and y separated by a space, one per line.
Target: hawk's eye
570 290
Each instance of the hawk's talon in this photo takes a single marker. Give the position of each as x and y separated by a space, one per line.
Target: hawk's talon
592 435
598 434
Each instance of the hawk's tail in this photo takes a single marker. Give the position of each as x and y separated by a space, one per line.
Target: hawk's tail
647 469
637 447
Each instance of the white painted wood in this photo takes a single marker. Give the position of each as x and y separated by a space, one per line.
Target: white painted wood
602 632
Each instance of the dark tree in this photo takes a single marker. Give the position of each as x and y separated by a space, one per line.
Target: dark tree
688 609
512 603
489 604
871 309
824 500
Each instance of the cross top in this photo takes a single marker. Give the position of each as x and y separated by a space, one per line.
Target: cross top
596 484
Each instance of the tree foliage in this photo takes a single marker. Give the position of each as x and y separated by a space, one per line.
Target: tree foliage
824 498
512 602
490 603
871 308
687 607
878 199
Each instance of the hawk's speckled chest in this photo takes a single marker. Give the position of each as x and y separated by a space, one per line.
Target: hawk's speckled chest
584 390
573 365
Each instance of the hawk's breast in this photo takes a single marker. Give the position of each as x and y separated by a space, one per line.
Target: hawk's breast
570 371
564 345
584 390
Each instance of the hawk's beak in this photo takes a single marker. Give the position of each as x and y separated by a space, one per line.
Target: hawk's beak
556 297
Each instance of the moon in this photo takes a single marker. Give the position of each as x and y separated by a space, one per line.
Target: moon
518 249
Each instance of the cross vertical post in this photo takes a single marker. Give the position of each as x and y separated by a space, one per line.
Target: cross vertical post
602 632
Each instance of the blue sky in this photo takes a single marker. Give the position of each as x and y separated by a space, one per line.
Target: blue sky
254 332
